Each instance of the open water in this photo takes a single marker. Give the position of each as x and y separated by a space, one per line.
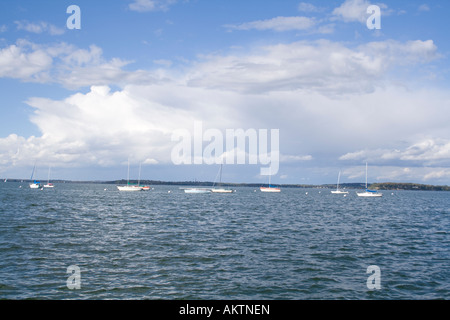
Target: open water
295 245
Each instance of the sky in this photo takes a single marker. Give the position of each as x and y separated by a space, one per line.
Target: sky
86 92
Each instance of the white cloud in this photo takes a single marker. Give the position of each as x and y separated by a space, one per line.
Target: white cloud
318 66
39 27
150 5
277 24
424 7
17 61
65 64
355 10
431 152
307 7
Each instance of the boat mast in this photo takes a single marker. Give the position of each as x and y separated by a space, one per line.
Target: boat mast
32 172
139 178
339 176
128 173
366 175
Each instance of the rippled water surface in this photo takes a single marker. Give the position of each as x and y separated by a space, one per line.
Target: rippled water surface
297 244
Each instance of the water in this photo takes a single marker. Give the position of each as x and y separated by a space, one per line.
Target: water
246 245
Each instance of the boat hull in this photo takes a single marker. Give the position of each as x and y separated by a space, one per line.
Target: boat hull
129 188
339 192
264 189
197 190
369 194
221 191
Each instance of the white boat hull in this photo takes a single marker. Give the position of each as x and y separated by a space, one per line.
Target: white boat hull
369 194
221 191
195 190
35 186
264 189
129 188
339 192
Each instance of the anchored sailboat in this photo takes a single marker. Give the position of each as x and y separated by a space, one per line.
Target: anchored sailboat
48 185
129 187
369 193
270 188
337 191
220 190
196 190
35 184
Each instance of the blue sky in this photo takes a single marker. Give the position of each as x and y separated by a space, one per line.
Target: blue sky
85 101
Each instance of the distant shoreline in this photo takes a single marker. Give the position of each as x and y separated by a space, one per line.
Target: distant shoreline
375 186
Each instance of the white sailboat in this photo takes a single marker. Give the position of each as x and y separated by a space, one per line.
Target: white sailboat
369 193
220 190
338 191
129 187
270 188
197 190
143 188
48 185
35 184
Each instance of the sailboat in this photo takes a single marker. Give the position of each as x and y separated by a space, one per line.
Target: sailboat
196 190
337 191
220 190
369 193
143 188
48 185
129 187
35 184
270 188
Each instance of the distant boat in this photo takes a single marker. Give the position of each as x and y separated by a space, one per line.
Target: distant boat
48 185
143 188
220 190
35 184
270 188
129 187
337 191
197 190
369 193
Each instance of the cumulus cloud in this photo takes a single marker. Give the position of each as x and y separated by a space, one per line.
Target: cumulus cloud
39 27
276 24
150 5
431 152
354 10
65 64
308 7
322 65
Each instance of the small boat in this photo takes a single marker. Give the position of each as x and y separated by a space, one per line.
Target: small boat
338 191
146 188
220 190
35 184
129 187
369 193
48 185
270 188
197 190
